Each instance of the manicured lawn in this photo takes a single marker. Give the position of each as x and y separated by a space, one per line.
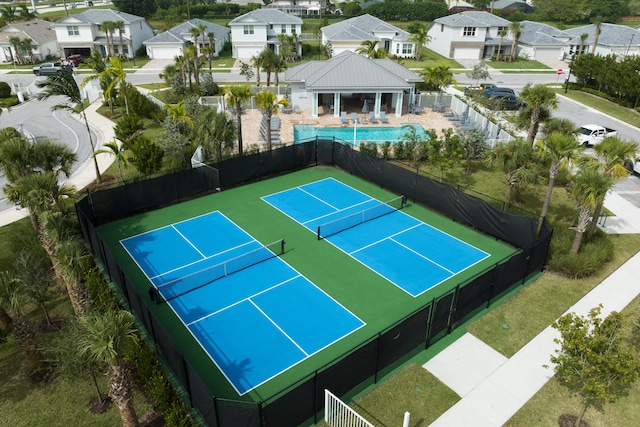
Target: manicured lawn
625 114
523 64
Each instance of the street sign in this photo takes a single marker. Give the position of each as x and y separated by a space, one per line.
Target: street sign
559 71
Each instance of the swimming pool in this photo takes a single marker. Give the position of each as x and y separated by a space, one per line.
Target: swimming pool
376 134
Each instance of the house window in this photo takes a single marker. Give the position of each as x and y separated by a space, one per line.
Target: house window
442 28
271 26
469 31
407 48
293 29
248 29
73 30
501 29
283 28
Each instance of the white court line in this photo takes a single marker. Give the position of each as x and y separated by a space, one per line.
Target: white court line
385 238
341 210
279 328
317 198
189 242
242 300
202 260
422 256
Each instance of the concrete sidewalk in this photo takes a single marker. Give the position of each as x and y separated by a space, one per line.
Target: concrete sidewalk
494 388
85 174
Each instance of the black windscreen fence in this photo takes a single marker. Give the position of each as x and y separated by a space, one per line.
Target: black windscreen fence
360 366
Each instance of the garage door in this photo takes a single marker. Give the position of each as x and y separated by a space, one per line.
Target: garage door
553 53
156 52
247 51
466 53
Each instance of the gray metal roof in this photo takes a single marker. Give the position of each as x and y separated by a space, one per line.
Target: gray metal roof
180 33
511 4
38 31
473 19
348 70
98 16
361 28
538 34
266 16
611 35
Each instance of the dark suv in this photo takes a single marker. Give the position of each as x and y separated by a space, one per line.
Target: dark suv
495 91
503 101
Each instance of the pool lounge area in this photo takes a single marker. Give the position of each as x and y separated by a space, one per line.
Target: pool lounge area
356 134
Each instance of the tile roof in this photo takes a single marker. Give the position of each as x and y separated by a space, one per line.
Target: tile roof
610 35
347 71
538 34
362 28
266 16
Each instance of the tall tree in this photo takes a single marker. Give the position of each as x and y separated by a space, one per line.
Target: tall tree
558 151
195 33
501 33
215 133
516 159
268 104
583 38
516 30
66 86
258 62
107 27
235 96
119 25
537 98
597 22
596 360
105 339
114 149
116 76
479 72
420 36
369 49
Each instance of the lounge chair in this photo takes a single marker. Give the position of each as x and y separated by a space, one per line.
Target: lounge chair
372 117
383 117
343 117
354 117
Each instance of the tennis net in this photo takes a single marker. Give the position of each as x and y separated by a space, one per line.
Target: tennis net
349 221
185 284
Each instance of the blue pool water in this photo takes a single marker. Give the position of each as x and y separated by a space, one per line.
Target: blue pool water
377 134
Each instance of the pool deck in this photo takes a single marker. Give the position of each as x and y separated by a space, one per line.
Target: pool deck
251 123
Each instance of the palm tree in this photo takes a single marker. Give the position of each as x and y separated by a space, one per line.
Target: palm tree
16 54
119 25
208 52
107 27
557 124
439 77
190 56
203 29
65 85
268 60
216 133
115 76
258 62
588 187
178 113
421 38
211 36
278 66
235 96
583 38
23 331
597 22
114 149
516 30
72 257
26 45
501 33
195 33
537 98
516 158
558 151
268 103
612 155
8 12
105 338
368 49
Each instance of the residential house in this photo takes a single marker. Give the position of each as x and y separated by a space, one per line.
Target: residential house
80 33
541 41
349 35
348 81
39 36
169 44
257 30
515 5
299 7
469 35
614 39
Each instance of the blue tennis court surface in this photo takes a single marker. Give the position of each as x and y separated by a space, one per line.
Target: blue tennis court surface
254 323
409 253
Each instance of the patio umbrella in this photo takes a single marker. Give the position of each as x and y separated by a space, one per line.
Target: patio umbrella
365 107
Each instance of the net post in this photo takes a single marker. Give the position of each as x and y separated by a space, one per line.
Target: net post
404 201
318 232
282 242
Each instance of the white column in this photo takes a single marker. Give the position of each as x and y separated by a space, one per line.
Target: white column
314 108
336 104
378 103
399 99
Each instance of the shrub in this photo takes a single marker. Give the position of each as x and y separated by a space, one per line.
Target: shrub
208 87
593 254
369 148
5 90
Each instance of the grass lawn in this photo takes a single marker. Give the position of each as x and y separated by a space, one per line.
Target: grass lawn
625 114
429 59
520 64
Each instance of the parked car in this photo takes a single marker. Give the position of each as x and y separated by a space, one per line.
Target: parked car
469 90
75 59
594 134
51 68
502 101
495 91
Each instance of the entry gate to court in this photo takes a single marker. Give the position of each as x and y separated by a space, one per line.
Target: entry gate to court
364 364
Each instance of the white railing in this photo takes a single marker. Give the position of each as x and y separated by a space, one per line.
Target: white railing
339 414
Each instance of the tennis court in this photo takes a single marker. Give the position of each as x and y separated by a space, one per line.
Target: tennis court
412 255
252 313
